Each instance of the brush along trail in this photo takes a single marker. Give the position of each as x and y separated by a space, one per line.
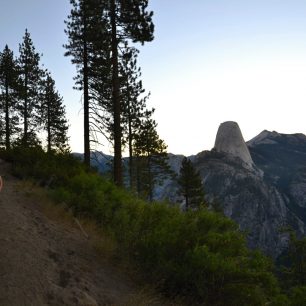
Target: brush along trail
46 261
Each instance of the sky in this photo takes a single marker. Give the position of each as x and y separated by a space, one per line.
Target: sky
211 61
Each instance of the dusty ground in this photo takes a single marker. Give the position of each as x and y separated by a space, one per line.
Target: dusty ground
44 261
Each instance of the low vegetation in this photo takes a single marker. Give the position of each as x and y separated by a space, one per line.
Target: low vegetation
199 255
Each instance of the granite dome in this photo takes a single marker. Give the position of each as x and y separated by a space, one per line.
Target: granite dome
229 140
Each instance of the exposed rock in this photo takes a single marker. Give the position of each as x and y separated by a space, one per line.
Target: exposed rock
259 208
230 140
282 157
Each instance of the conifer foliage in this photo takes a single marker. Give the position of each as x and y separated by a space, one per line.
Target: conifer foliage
30 77
151 158
134 108
54 117
190 184
8 96
84 31
130 20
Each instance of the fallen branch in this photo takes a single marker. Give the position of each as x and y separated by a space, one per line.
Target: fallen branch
81 228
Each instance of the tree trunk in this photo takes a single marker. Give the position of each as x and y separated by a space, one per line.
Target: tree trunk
7 118
150 179
131 159
186 202
86 98
116 100
138 187
25 114
48 118
131 165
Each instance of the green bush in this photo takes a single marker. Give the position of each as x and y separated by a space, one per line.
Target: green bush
298 296
55 169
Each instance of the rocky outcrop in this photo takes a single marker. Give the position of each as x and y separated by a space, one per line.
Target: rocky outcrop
230 140
282 158
257 206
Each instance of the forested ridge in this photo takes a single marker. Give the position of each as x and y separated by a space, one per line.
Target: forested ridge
196 254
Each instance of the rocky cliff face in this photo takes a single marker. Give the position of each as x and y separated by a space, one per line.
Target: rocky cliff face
229 140
258 207
260 184
282 159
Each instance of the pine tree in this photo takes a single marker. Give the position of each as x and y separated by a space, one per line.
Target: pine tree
30 75
129 20
8 98
133 103
53 116
97 30
151 158
100 87
84 30
190 183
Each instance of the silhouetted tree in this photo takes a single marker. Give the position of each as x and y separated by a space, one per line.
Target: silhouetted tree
151 158
134 99
30 76
190 185
84 30
53 116
130 20
8 98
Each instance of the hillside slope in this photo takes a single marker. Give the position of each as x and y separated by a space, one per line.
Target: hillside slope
48 262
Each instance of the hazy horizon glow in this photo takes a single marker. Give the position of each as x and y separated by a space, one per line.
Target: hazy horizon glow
210 62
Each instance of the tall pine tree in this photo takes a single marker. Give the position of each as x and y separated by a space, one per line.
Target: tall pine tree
53 116
8 98
84 30
30 76
129 19
133 102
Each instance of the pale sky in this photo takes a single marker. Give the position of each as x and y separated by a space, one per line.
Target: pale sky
211 61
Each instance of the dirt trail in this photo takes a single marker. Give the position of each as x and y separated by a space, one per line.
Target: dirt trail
44 262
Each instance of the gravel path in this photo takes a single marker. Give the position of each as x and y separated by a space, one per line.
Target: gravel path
45 262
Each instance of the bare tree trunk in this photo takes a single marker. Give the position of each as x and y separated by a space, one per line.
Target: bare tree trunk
48 118
7 118
131 157
86 98
25 114
116 100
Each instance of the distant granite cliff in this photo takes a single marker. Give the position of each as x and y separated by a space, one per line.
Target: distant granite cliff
260 184
282 158
229 140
